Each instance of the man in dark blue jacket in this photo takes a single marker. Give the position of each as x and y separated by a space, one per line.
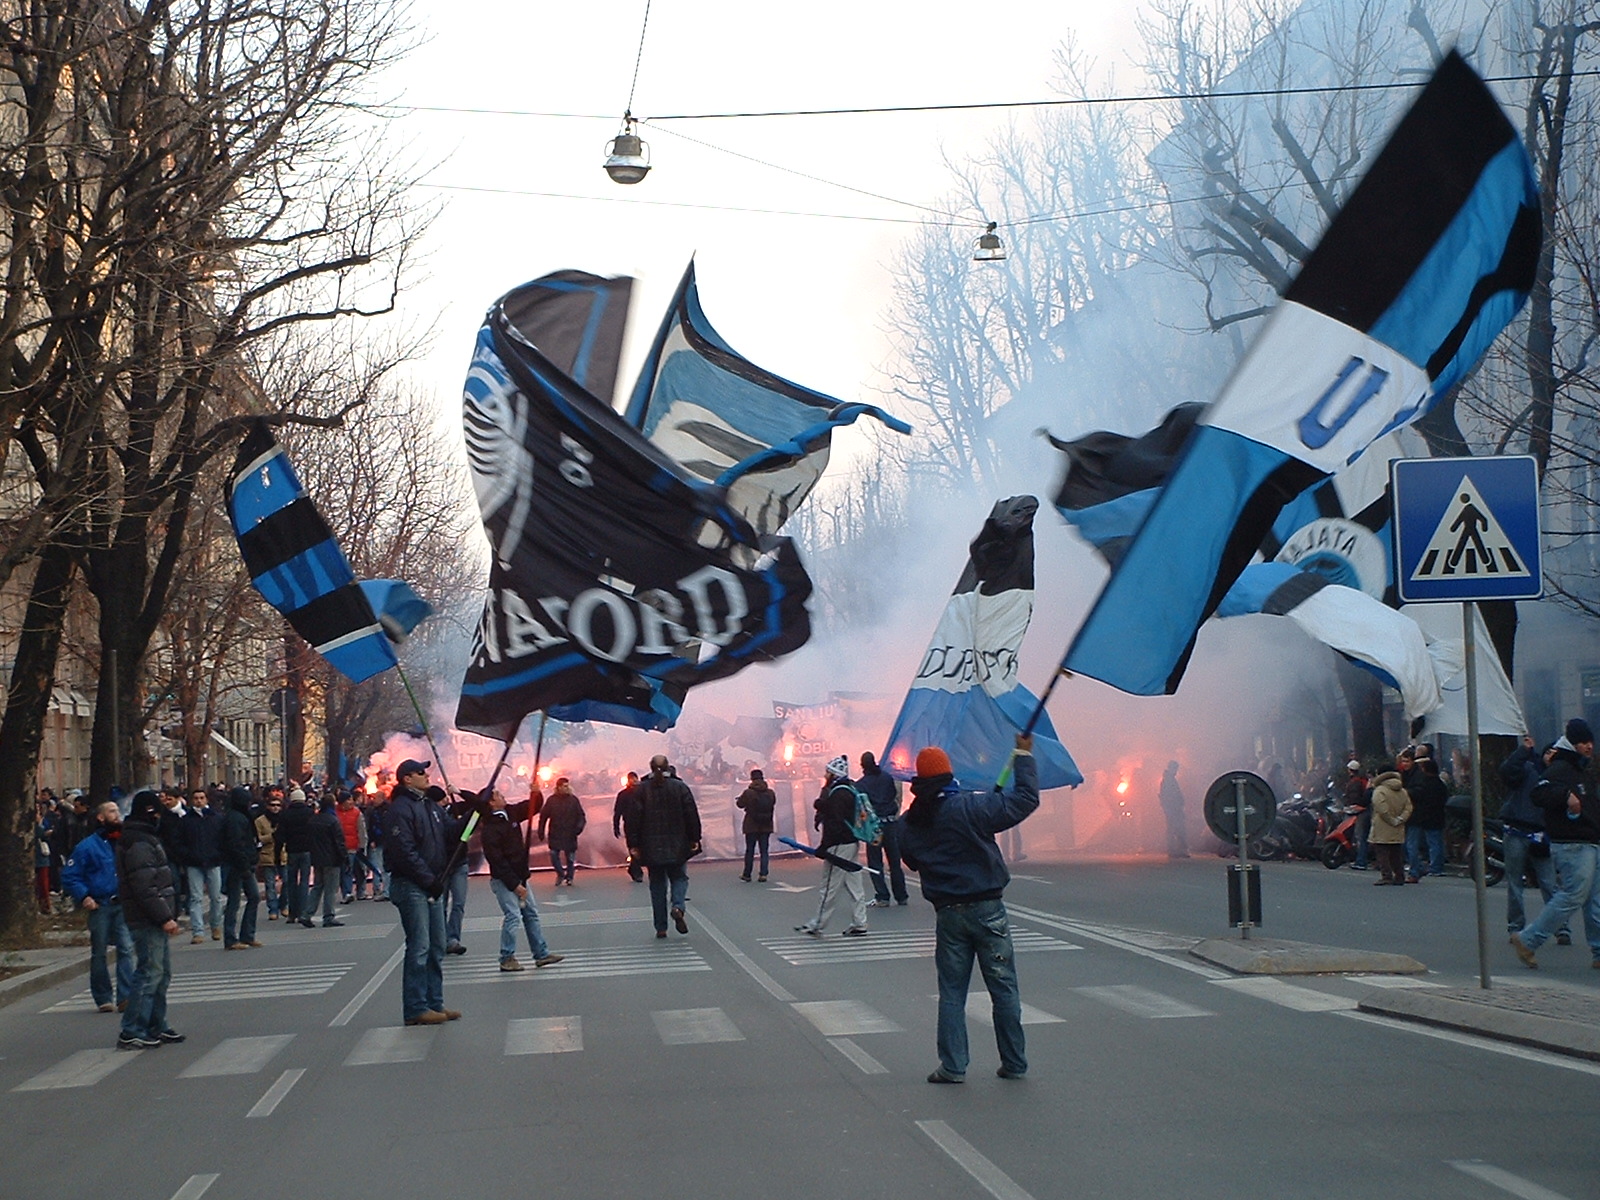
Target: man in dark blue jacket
201 832
882 790
90 877
144 888
1525 844
948 840
1572 823
416 850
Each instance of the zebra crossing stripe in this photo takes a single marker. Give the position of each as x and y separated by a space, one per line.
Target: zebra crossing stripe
83 1069
393 1044
1142 1002
595 916
587 964
544 1035
693 1026
253 984
875 947
237 1056
1289 995
844 1018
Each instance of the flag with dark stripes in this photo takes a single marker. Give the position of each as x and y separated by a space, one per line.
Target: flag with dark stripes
762 439
295 563
1431 256
966 697
620 579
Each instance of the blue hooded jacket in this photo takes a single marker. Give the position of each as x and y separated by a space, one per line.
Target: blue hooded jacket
92 869
949 840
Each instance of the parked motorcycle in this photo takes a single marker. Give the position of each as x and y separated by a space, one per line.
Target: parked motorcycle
1339 847
1458 833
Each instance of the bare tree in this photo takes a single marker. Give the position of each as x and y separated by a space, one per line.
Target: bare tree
187 194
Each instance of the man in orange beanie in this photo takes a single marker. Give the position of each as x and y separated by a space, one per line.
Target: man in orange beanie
948 839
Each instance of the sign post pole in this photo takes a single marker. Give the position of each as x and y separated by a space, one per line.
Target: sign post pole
1469 621
1244 860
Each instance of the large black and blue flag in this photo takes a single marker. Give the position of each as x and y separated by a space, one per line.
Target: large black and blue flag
1431 256
295 563
620 578
966 697
760 438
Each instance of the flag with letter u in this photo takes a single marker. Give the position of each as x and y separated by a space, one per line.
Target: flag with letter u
1431 256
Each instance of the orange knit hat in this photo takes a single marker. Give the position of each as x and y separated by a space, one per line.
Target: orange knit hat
932 761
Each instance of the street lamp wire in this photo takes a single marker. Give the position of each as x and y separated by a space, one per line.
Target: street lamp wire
639 55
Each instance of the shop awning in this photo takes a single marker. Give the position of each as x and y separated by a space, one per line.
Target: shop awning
227 745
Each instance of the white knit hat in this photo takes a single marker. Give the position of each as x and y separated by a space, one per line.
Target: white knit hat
839 768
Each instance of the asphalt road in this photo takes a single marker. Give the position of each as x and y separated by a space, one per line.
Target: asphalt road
743 1060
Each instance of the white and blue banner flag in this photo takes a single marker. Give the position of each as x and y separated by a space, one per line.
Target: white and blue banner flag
966 697
1431 256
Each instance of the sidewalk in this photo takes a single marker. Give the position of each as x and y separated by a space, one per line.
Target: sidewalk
45 968
1558 1017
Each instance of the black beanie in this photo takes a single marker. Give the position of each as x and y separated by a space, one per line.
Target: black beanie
145 804
1578 731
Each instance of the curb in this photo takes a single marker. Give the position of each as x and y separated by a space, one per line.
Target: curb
40 978
1577 1039
1273 956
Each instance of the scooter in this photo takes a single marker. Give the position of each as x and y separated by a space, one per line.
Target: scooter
1339 847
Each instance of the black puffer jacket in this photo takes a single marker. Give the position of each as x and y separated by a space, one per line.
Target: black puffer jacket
144 878
758 801
668 826
564 819
294 828
505 847
1428 798
1564 777
835 809
327 840
240 846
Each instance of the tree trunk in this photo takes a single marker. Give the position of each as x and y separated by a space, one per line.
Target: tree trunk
1363 696
116 747
21 734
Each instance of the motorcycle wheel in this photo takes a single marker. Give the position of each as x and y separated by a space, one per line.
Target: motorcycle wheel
1496 871
1333 856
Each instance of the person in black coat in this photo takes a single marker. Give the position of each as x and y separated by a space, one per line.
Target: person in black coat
1425 829
665 836
623 814
326 836
1572 823
759 802
200 831
240 849
505 849
145 891
560 822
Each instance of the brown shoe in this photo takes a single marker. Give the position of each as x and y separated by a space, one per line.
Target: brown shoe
427 1018
511 964
549 960
451 1014
196 940
236 946
254 945
216 935
1525 954
108 1008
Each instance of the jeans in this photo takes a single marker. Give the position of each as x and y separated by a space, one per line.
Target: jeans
146 1015
964 932
321 893
272 887
204 882
294 904
107 928
1416 840
1575 864
562 861
678 874
517 912
422 972
1518 855
457 892
836 880
751 841
375 861
241 884
890 851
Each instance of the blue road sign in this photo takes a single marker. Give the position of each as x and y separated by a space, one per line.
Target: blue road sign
1466 528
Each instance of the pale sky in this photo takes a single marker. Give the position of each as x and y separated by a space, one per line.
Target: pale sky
803 296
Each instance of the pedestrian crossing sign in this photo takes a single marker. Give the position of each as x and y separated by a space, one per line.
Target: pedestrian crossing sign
1466 528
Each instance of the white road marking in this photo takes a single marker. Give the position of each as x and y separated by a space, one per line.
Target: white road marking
194 1187
789 887
1504 1180
988 1176
392 1044
1142 1002
803 950
1509 1049
691 1026
653 959
253 983
868 1064
1120 941
83 1069
742 960
1289 995
365 994
594 916
544 1035
237 1056
350 933
981 1010
1394 981
844 1018
274 1095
